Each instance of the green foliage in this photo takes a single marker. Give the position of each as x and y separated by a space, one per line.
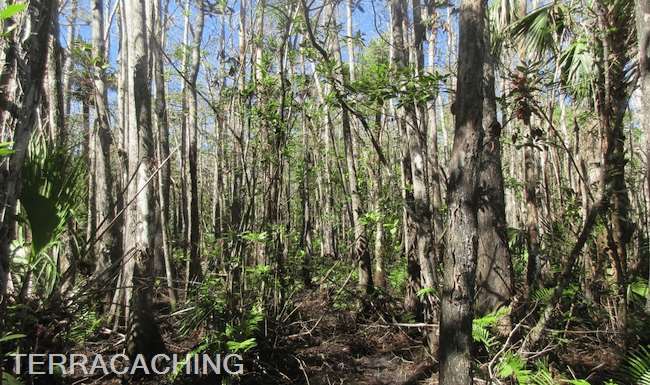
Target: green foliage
5 149
542 294
251 236
542 376
51 194
370 217
513 366
12 10
481 326
636 369
206 306
638 291
426 291
241 346
578 68
397 277
9 379
11 336
84 325
541 28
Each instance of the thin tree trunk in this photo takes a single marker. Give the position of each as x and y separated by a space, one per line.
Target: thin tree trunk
643 33
162 125
68 66
194 272
54 91
101 135
361 251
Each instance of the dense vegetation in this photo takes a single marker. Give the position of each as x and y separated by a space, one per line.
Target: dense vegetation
349 192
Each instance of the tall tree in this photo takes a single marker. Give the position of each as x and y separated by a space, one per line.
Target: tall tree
643 35
161 124
193 225
101 136
143 335
459 262
494 281
611 96
32 51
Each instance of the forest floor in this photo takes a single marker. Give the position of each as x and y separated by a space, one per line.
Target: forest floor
320 340
316 344
325 345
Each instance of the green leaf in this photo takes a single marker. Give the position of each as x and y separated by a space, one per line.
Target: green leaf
579 382
5 149
11 10
241 346
425 291
43 219
8 379
11 337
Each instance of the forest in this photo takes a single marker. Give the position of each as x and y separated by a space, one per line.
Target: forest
359 192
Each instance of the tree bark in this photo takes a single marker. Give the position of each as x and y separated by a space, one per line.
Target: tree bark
194 272
68 65
643 34
143 335
494 281
34 51
611 104
54 89
101 135
459 262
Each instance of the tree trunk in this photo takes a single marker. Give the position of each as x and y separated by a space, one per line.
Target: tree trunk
643 32
611 104
31 73
361 251
193 226
459 262
162 126
143 335
54 91
101 135
494 281
68 66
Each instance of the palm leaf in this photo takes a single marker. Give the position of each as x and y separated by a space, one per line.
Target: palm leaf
541 28
636 369
578 68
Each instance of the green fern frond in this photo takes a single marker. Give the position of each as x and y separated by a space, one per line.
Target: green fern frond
542 295
481 326
512 365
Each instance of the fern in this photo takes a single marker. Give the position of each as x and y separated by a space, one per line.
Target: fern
241 346
512 365
542 377
542 295
481 327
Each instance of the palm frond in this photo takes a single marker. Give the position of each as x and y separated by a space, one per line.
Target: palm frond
578 68
51 193
636 369
541 28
